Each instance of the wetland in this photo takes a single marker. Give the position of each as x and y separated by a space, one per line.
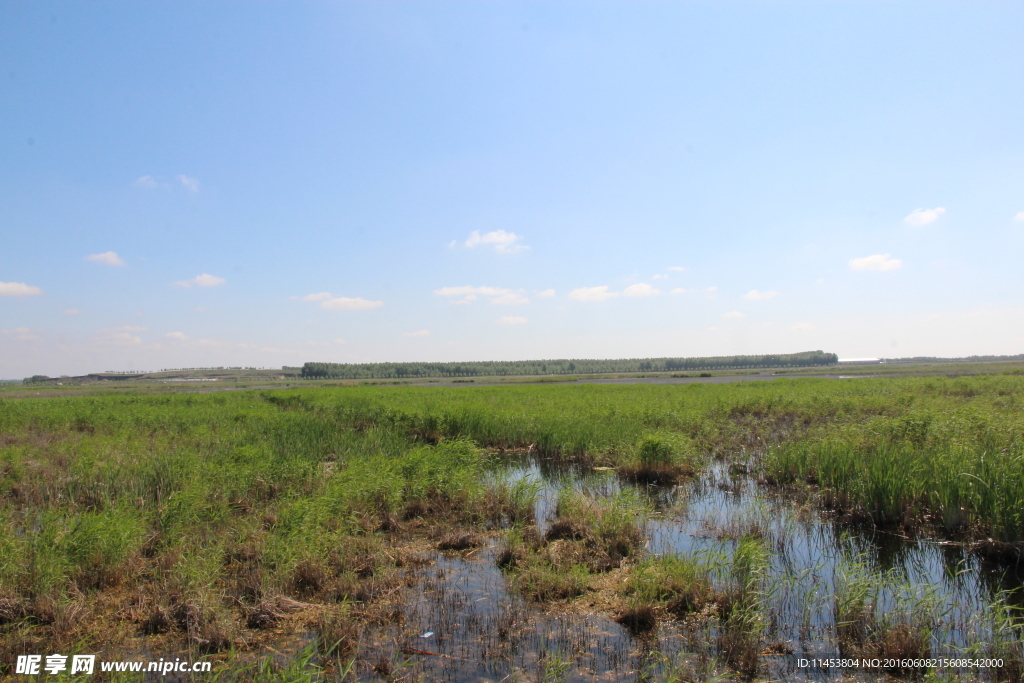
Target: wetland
586 532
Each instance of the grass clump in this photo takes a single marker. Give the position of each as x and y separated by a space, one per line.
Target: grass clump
903 630
661 458
589 536
726 590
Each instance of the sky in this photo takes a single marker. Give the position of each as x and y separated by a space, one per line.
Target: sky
262 184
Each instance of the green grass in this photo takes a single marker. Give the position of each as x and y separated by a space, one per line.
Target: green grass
196 511
951 455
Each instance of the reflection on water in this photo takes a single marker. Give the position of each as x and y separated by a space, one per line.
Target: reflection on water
481 631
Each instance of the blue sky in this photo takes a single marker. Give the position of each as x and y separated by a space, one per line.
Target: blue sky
187 184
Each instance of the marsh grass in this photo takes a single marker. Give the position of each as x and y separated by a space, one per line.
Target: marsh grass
590 535
880 614
201 519
661 458
726 588
951 457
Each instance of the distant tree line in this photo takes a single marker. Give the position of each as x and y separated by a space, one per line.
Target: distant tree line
560 366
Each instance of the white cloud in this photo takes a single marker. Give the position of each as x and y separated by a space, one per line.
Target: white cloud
319 296
659 276
711 290
18 289
339 340
510 299
804 326
733 315
71 311
1019 217
511 320
677 269
591 293
755 295
499 296
204 280
547 293
107 258
678 290
344 303
340 303
149 182
121 336
640 289
417 333
919 217
23 334
875 262
503 242
180 336
190 184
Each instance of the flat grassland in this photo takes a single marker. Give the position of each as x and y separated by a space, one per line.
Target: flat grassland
285 533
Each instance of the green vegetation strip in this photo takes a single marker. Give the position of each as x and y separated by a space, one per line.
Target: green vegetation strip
561 366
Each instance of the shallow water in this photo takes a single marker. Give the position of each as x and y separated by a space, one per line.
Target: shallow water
481 631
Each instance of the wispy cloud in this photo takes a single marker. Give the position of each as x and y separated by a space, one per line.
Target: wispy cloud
18 289
1019 217
920 217
677 269
107 258
23 334
546 294
804 326
71 311
503 242
499 296
755 295
512 320
678 290
190 184
417 333
339 303
875 262
319 296
659 276
591 293
204 280
640 289
177 336
344 303
149 182
120 336
732 315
